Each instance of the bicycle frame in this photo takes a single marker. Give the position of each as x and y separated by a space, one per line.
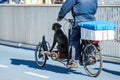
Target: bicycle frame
85 45
85 42
89 51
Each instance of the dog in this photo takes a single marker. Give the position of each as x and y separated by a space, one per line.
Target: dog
61 39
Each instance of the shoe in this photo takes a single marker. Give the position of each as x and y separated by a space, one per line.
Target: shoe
72 64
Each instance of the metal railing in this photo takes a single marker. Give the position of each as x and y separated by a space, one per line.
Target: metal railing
27 24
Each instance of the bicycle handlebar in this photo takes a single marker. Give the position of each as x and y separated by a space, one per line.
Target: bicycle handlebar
69 20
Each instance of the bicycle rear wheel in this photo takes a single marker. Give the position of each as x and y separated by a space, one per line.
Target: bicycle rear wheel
40 58
92 60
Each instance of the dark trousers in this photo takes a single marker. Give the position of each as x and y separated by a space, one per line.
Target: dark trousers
75 42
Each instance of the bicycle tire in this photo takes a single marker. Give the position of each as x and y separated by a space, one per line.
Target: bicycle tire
40 58
92 69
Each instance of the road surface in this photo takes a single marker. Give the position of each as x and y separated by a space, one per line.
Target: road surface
19 64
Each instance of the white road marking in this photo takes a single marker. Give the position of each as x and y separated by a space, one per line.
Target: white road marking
37 75
3 66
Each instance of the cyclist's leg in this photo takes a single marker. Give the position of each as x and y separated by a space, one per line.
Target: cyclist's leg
75 43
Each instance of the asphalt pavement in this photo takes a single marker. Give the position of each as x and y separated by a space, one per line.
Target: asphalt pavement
19 64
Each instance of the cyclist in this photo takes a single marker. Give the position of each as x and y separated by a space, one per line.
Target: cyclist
82 11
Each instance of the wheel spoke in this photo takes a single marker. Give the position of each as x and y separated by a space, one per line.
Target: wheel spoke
92 61
40 58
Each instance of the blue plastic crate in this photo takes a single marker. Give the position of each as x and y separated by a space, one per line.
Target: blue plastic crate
98 25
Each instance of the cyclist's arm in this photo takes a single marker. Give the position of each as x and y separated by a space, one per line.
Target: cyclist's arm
66 7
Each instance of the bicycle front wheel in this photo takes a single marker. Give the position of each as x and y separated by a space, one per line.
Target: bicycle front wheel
92 60
40 58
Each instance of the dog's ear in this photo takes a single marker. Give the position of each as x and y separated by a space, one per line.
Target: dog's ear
56 26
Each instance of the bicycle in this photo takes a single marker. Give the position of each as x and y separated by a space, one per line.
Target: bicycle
91 57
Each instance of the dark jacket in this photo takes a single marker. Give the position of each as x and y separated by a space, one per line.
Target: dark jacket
82 10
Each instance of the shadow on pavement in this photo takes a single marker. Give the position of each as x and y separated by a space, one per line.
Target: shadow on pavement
112 72
48 67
